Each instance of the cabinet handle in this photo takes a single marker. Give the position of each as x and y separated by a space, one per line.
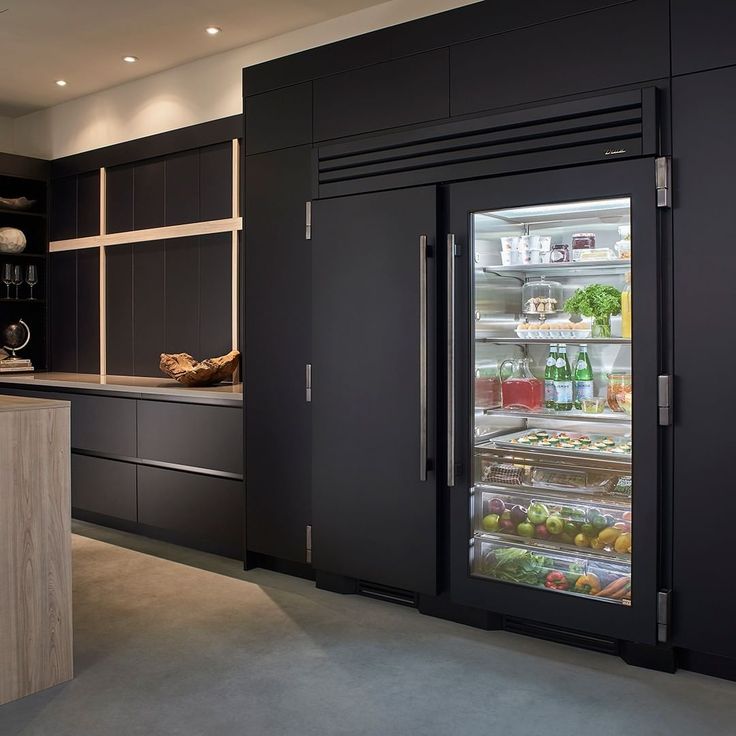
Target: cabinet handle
450 360
422 357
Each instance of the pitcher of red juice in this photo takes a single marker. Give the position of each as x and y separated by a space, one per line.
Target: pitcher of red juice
521 390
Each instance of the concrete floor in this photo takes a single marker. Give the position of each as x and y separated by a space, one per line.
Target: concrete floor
188 644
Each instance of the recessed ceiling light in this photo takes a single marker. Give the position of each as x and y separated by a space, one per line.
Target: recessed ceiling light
61 82
213 30
130 59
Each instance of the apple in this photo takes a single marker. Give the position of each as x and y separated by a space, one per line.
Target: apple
496 506
541 531
555 524
518 514
525 529
491 522
506 525
537 513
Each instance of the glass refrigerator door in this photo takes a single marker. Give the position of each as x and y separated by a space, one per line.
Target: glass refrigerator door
553 398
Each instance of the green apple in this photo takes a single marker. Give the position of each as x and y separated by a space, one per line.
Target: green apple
537 513
555 524
525 529
491 522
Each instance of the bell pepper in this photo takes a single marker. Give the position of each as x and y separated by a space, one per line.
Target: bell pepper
589 584
556 581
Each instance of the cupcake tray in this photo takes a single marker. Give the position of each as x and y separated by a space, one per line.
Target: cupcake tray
511 441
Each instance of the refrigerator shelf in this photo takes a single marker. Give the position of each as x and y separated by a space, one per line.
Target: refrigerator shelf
536 544
534 455
530 566
555 341
515 439
607 417
568 496
589 268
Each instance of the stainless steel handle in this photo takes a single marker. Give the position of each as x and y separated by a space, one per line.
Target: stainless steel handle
422 357
450 360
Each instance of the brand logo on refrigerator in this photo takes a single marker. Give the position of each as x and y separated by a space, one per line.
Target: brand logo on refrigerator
615 151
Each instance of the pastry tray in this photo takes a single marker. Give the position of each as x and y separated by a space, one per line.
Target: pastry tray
511 441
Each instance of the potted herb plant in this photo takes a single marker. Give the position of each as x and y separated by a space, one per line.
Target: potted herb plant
598 301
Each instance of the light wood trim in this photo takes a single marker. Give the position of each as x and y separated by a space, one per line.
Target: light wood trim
234 268
103 274
236 178
35 551
227 225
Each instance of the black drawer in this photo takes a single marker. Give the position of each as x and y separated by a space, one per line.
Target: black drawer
104 487
103 424
200 436
197 510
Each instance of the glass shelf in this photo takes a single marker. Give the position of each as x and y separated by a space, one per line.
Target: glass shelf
556 341
607 417
562 269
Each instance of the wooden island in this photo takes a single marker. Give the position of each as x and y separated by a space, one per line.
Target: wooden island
35 546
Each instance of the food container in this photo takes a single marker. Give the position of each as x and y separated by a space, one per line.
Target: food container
541 297
618 383
487 388
534 249
583 241
595 405
510 253
624 401
623 249
560 253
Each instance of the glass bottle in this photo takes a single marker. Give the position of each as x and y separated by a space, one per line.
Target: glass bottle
549 378
626 308
583 377
563 381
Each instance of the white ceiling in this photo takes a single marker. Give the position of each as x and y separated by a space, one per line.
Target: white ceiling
83 41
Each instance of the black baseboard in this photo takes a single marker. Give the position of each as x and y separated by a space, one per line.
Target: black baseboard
707 664
336 583
275 564
661 658
440 606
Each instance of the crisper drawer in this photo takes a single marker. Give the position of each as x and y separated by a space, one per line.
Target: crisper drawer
197 510
104 487
195 435
604 579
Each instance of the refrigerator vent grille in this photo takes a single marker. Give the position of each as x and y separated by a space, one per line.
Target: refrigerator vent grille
602 128
387 593
562 636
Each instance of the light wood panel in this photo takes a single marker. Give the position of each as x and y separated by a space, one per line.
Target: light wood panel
35 547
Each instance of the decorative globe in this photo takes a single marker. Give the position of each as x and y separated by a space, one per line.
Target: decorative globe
14 336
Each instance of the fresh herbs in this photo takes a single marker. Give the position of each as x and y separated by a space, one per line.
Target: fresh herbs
597 301
514 565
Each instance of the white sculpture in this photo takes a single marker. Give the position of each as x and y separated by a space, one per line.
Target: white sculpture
12 240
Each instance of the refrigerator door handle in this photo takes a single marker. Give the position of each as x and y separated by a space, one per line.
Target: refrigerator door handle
422 357
451 250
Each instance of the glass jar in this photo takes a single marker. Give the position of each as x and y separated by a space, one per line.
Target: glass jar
541 297
487 388
521 389
560 253
619 384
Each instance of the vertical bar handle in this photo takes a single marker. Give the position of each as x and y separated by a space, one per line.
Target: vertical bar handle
422 357
451 360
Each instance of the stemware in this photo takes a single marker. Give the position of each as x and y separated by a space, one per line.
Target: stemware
17 280
31 278
7 278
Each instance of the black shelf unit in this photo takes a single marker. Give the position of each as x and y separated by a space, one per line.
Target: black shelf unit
26 177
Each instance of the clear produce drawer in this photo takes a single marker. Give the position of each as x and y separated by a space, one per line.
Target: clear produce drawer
605 579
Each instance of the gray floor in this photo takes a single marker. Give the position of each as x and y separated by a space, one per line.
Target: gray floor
185 643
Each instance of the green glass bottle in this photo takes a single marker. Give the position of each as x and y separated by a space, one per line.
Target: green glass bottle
563 381
583 377
549 378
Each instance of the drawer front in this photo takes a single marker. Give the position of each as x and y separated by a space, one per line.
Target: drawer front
203 511
199 436
103 424
104 487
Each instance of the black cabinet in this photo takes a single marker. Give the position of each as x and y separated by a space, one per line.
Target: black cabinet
279 119
104 424
387 95
88 204
278 339
149 185
182 188
64 208
119 204
373 438
702 35
704 118
619 45
203 511
105 487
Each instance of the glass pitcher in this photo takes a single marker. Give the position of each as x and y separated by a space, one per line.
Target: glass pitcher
521 389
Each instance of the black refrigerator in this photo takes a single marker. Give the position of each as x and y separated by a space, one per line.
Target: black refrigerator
553 474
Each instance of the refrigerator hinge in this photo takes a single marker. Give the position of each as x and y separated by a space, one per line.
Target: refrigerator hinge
308 382
664 400
309 544
663 174
664 600
308 220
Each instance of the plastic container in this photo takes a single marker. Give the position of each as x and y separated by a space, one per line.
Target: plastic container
618 383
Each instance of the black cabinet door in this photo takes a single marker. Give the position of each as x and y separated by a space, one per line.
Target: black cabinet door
572 55
104 487
279 119
395 93
374 507
278 334
704 116
702 35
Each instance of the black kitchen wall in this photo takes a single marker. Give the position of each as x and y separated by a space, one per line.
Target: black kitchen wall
75 206
167 296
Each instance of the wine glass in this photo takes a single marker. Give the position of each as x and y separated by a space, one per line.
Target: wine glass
31 278
17 280
7 278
